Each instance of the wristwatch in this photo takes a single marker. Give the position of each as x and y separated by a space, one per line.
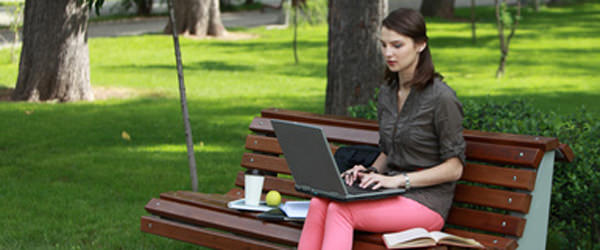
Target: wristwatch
373 169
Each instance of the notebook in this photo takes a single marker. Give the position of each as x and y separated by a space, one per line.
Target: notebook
313 167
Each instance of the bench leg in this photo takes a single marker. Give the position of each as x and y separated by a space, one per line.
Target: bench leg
536 229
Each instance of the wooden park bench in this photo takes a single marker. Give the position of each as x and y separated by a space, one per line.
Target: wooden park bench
502 199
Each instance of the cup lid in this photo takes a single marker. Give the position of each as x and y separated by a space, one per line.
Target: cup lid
255 172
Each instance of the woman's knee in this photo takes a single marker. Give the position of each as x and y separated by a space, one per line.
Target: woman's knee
317 203
336 208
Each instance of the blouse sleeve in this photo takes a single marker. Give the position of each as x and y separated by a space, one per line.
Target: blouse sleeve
448 124
380 108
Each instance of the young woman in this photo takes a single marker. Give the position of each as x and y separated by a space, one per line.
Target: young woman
420 128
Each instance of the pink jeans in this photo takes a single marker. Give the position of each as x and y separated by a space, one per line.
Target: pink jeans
331 224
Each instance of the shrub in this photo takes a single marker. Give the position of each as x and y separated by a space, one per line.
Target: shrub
575 206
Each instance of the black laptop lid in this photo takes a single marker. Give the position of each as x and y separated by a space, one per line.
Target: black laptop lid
309 157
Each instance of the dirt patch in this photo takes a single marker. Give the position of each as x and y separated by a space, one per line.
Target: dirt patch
5 94
229 36
103 93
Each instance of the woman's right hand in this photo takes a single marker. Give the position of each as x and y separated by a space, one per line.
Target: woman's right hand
351 175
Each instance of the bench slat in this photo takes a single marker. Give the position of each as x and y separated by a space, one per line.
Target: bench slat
200 236
233 223
495 198
502 199
300 116
505 154
284 186
543 143
565 153
489 241
487 221
263 144
218 202
500 176
333 134
486 174
269 145
265 162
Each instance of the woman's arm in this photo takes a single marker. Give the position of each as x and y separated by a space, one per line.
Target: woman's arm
449 170
379 163
351 175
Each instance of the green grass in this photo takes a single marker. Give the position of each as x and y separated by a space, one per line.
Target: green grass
69 181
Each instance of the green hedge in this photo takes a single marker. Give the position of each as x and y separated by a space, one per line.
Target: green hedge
575 207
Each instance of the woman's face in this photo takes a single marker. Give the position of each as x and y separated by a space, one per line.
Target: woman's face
401 53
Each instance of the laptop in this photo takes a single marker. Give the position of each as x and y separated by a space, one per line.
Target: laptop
313 167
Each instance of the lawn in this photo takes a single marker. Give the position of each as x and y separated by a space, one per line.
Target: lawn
70 181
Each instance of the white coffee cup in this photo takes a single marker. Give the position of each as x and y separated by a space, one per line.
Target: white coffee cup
253 189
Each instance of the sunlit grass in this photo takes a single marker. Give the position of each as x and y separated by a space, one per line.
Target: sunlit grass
69 180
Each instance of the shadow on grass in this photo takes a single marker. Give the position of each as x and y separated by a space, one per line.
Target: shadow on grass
304 69
557 16
202 65
266 46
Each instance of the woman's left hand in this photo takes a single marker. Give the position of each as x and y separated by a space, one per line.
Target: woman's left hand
377 181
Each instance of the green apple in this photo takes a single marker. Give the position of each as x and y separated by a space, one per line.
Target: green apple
273 198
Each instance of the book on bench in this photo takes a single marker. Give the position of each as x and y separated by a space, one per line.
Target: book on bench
419 237
288 211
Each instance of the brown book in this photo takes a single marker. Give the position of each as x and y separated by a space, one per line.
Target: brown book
419 237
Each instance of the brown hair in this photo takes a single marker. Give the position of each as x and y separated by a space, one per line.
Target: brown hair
411 23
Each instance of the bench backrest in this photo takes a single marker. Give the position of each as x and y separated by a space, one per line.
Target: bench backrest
492 200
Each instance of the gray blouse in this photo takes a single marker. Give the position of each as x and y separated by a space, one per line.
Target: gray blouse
426 132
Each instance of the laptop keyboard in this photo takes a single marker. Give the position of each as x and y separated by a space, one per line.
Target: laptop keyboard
355 189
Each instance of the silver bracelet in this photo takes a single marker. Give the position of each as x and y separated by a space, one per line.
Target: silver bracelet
406 181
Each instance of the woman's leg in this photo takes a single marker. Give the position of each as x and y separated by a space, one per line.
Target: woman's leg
314 225
386 215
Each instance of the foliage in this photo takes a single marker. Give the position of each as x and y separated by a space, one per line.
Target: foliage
576 185
128 4
96 4
509 17
229 7
575 207
312 12
16 21
367 111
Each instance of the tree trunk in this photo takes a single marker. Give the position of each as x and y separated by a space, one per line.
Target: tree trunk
438 8
473 23
55 57
355 66
144 7
198 18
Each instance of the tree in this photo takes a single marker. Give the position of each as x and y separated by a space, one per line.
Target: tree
438 8
198 18
54 62
503 19
355 66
